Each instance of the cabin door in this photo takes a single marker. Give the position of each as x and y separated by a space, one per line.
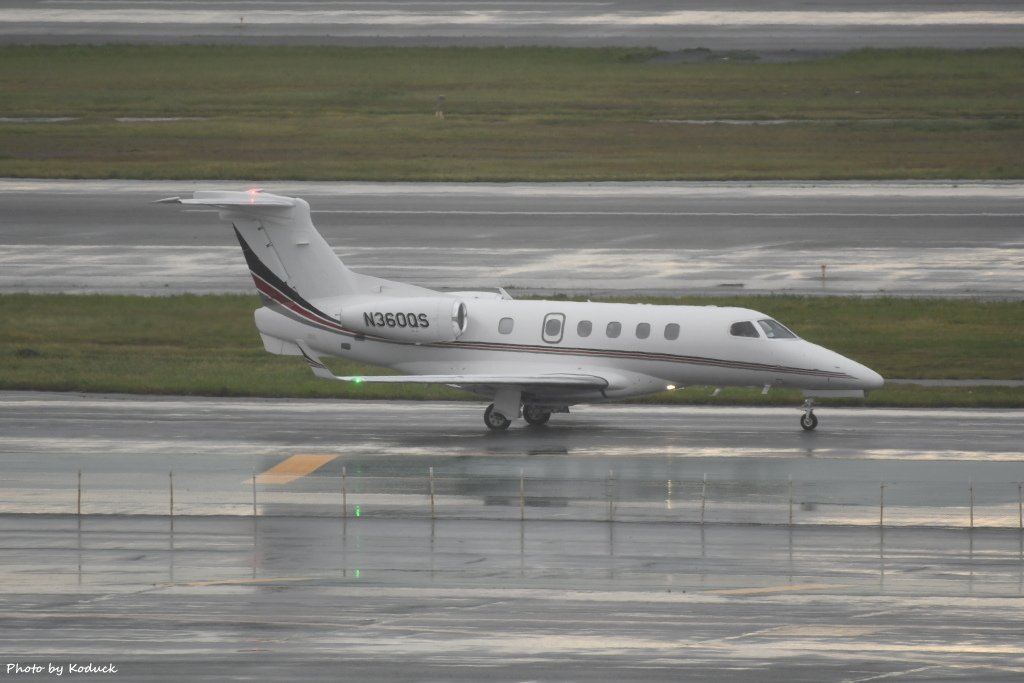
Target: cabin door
554 325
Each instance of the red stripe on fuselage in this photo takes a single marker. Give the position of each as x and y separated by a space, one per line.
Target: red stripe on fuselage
282 298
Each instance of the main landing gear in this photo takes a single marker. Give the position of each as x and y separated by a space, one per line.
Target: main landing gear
808 420
537 415
495 420
533 414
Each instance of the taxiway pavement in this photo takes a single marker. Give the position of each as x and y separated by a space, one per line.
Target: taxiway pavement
590 577
904 238
778 26
650 460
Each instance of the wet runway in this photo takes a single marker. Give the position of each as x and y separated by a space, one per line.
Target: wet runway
312 540
923 238
776 25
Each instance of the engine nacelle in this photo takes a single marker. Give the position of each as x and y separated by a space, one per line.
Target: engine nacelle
419 320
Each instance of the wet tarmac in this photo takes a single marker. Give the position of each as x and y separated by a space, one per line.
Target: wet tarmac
918 239
774 26
653 463
231 539
314 599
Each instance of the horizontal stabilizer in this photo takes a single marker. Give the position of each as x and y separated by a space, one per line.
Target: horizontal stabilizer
290 262
225 199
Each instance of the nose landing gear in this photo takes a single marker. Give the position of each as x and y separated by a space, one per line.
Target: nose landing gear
809 421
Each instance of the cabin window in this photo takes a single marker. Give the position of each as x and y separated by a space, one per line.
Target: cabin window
643 331
613 330
584 328
744 329
672 331
773 329
505 325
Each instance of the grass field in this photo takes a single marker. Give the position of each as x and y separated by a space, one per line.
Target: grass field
208 345
327 113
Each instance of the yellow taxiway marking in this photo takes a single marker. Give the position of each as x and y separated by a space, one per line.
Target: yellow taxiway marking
295 467
788 588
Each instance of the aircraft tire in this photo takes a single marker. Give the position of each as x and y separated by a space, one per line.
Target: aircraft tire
495 420
535 415
809 421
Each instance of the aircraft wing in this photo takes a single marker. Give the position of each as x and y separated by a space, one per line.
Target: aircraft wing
561 380
550 380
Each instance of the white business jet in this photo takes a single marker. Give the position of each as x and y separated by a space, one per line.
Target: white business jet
531 358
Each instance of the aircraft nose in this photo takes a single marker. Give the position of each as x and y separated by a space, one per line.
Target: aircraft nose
851 374
872 380
866 378
858 376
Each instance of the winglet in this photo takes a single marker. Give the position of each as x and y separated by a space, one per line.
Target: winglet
314 362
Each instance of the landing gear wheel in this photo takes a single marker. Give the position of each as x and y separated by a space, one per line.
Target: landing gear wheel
808 421
495 420
535 415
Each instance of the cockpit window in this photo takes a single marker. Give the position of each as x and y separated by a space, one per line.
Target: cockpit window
744 329
773 329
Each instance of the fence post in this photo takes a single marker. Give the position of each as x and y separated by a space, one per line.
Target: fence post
170 476
79 497
703 497
611 496
881 506
344 493
254 494
972 503
431 480
791 500
522 495
1020 506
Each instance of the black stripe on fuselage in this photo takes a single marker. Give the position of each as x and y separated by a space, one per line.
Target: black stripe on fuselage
276 292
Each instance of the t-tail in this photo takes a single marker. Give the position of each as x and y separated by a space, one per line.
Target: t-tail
282 248
285 253
305 287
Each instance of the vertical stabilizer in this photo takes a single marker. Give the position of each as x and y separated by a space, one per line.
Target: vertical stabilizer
277 233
